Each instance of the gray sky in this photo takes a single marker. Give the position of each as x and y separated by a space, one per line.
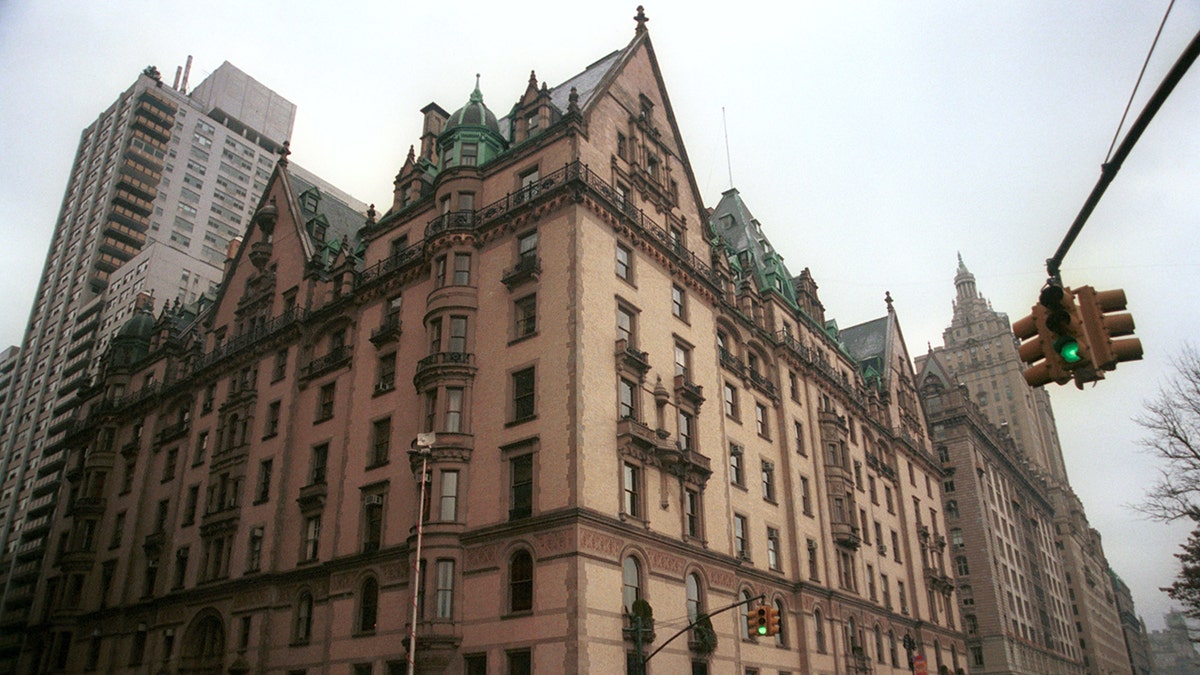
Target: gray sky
873 140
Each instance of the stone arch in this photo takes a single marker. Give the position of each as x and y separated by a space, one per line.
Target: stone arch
203 651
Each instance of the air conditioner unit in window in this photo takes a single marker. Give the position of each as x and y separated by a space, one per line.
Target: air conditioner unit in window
883 549
373 500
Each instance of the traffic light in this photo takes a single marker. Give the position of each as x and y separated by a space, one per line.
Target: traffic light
1054 342
1096 310
772 620
759 621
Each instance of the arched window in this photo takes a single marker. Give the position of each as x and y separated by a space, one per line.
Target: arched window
744 613
695 603
892 649
781 636
954 658
960 566
952 508
304 612
850 638
520 582
937 655
878 644
631 574
818 631
368 605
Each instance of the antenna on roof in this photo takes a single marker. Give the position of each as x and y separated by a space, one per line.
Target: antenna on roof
728 161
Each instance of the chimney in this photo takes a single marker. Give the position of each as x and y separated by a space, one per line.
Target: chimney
187 70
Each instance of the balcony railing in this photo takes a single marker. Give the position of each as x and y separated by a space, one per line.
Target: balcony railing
845 534
336 358
451 221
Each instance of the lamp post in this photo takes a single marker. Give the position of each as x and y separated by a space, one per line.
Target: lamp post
422 447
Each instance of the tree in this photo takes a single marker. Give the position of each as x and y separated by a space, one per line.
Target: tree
1186 589
1172 419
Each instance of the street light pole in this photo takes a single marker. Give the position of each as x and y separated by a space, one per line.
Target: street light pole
423 444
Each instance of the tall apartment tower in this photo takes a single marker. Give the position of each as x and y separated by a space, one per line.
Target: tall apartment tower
979 356
1011 578
614 403
165 181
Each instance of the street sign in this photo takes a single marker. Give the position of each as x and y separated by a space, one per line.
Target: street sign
919 665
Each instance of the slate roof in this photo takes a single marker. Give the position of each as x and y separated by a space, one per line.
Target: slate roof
752 253
342 221
868 344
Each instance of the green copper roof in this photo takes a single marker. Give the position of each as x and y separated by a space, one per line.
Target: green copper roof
750 253
472 135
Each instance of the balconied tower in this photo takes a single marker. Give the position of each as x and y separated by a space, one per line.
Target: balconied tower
635 409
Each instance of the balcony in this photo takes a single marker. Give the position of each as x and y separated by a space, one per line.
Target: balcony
388 331
633 359
174 432
452 221
85 506
336 358
762 383
312 496
845 534
220 520
857 661
443 364
634 432
731 362
688 391
526 269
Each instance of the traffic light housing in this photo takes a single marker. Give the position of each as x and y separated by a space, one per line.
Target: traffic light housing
1104 318
759 623
1054 342
772 620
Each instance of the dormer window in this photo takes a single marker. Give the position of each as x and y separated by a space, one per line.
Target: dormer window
531 123
310 199
318 230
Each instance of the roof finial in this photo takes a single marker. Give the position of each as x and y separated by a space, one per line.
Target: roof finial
641 20
887 298
573 101
477 95
284 152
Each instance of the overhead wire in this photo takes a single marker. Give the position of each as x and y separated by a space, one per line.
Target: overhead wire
1138 83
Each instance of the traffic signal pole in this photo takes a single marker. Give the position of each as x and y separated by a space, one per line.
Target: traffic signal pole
1109 169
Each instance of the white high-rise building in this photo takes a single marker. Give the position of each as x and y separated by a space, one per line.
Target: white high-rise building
163 173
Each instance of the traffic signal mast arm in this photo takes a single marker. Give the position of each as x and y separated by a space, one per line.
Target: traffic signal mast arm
700 618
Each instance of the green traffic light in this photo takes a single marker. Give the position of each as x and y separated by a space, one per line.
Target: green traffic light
762 630
1069 351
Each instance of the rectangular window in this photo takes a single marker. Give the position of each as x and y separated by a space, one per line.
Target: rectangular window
172 458
624 263
871 582
691 512
320 455
454 410
737 472
520 471
445 589
741 547
381 441
773 548
683 361
449 497
523 391
458 335
631 488
462 269
798 429
687 425
525 316
201 448
627 401
372 522
189 504
280 368
272 426
527 249
254 550
430 409
768 480
312 538
118 530
435 336
387 373
805 496
814 561
626 326
730 394
760 420
678 302
263 491
325 399
439 263
903 597
895 546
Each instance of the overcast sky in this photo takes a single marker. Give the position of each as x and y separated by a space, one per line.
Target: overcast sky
873 142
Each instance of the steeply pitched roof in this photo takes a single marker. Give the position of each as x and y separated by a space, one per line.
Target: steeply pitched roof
750 251
869 344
